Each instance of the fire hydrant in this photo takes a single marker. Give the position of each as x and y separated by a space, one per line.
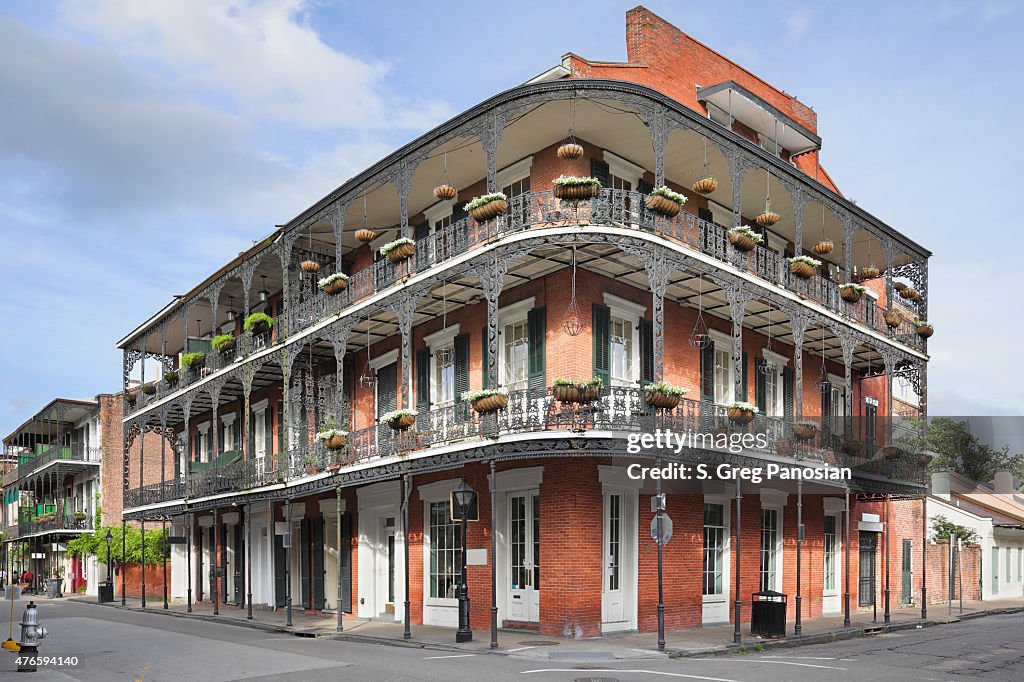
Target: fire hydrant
31 633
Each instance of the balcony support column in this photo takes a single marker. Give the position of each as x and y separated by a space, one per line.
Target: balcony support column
659 267
245 273
889 256
490 138
284 250
285 416
848 228
337 218
339 342
849 343
889 358
403 183
492 279
659 128
142 535
799 324
248 375
799 200
186 460
188 561
214 296
163 450
737 168
404 309
738 298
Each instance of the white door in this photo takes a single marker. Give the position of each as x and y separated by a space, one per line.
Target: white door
613 610
524 555
830 601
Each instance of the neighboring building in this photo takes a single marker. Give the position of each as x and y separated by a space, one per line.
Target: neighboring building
51 488
489 303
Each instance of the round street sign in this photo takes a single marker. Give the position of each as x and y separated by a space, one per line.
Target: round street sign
666 529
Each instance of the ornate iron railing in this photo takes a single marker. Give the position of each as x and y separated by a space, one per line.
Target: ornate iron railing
45 524
66 453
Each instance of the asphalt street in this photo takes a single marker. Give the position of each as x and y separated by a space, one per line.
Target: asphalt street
112 645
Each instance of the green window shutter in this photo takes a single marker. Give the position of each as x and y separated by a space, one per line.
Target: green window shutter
599 169
602 343
387 389
644 187
280 433
485 380
423 379
760 386
744 393
869 425
707 373
461 365
536 332
705 215
788 388
826 411
646 352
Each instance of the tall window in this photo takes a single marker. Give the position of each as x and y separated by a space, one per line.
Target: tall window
723 375
516 343
614 539
444 376
773 393
514 189
445 552
622 351
831 550
442 246
1008 565
714 549
769 547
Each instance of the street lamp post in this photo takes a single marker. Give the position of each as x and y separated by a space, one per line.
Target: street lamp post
108 537
463 501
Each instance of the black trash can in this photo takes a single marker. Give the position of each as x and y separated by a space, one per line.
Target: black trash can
106 592
53 588
768 614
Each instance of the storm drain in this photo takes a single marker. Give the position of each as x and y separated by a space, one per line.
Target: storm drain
582 655
538 642
596 679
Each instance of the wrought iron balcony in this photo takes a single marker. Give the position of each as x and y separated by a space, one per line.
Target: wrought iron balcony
55 523
59 453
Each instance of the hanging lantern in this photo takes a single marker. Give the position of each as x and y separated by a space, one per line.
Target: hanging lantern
699 336
574 323
769 366
368 378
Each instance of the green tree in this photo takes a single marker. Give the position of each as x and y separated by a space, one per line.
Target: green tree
944 529
94 544
956 449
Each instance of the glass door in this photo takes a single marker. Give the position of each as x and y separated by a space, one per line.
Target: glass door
524 556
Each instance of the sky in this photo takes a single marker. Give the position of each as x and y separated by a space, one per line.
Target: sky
144 144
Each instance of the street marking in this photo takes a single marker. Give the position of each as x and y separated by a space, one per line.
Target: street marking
768 660
428 658
522 648
806 658
624 670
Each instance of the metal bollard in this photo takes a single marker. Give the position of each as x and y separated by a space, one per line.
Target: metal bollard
31 633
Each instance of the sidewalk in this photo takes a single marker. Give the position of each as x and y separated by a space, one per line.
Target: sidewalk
628 645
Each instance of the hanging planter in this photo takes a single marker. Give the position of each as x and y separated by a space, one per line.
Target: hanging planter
767 219
805 430
445 192
803 266
258 323
487 400
851 293
334 284
741 413
310 266
570 151
223 343
892 452
195 361
665 202
705 185
568 391
743 238
572 188
663 395
399 250
332 438
852 447
924 329
149 389
870 272
910 293
366 236
923 458
893 319
130 399
171 378
399 420
487 207
823 248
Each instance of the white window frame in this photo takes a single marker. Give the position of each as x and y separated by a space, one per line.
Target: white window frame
623 169
440 340
439 491
838 385
203 431
723 342
781 362
511 314
226 422
259 437
631 313
726 502
520 170
774 500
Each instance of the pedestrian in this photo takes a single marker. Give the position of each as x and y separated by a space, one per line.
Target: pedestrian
3 577
27 577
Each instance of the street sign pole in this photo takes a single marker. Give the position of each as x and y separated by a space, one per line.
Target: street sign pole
661 594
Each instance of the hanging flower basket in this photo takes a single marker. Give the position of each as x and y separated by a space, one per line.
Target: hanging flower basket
892 452
823 248
851 293
445 192
310 266
805 430
923 458
399 420
852 447
893 319
333 439
572 188
705 185
663 395
334 284
223 343
258 323
910 293
488 400
664 201
570 150
149 389
487 207
924 329
743 238
130 399
741 413
899 286
399 250
194 361
365 236
803 266
171 378
568 391
870 272
767 219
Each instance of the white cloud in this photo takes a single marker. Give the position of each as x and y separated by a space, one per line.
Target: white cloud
261 54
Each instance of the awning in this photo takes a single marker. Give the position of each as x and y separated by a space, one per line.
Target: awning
755 113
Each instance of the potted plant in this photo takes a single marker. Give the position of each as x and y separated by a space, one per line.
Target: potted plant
572 188
664 201
590 390
803 266
893 319
924 329
768 218
805 429
851 292
130 399
332 437
663 395
223 343
365 236
310 266
79 516
741 412
334 284
899 286
194 361
570 151
923 458
743 238
565 391
445 192
487 206
258 323
910 293
399 250
870 272
487 400
149 388
705 185
399 420
171 377
892 452
823 248
852 447
313 465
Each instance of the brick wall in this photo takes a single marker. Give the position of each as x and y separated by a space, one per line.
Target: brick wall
133 581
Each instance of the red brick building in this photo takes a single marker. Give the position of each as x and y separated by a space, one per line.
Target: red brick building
548 292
